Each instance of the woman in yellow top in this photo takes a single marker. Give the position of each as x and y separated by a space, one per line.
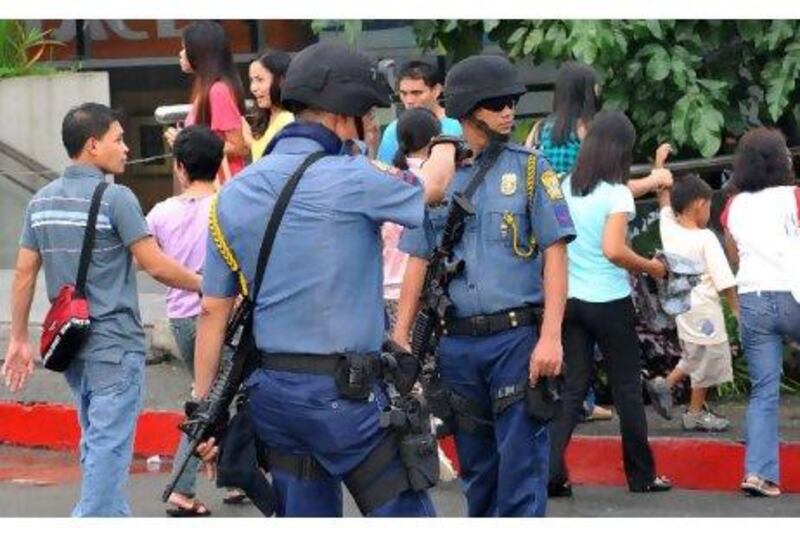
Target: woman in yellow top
266 75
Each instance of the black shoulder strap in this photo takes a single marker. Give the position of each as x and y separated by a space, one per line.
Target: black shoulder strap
275 221
492 153
88 239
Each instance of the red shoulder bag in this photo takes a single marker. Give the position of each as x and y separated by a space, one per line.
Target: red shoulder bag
66 327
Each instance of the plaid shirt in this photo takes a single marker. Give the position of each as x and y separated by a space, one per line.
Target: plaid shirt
562 158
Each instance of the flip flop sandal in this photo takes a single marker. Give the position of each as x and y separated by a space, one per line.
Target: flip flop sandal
197 509
235 499
756 486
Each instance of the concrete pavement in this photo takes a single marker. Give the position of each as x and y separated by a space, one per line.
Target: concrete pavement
38 496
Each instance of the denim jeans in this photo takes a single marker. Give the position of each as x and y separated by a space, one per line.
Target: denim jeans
767 318
108 398
185 331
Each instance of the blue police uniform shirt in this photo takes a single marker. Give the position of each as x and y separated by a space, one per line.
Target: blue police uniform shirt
322 289
389 144
494 277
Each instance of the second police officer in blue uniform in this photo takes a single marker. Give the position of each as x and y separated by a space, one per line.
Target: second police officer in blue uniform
514 250
320 304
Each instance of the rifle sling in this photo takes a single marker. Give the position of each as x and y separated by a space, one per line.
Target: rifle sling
275 220
492 153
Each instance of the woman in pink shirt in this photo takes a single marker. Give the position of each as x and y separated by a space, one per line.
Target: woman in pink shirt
217 95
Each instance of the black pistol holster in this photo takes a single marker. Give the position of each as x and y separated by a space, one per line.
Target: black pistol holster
542 402
355 374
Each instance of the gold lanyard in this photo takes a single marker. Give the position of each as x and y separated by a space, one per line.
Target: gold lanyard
222 246
509 221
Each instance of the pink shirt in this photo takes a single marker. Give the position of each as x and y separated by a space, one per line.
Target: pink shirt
180 226
225 117
395 260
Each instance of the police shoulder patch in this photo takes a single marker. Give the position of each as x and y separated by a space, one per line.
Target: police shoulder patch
552 185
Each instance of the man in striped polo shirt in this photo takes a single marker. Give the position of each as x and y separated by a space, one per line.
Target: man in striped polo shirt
107 375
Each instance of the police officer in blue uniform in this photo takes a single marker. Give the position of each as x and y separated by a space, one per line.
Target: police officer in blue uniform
514 249
319 311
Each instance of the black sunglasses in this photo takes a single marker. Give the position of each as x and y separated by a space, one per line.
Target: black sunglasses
497 104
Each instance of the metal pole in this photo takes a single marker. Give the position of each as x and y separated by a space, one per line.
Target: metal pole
697 165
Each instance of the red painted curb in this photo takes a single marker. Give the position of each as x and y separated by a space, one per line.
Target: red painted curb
701 464
51 426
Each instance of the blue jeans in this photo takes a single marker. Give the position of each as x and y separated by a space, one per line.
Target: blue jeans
505 473
185 331
108 398
767 318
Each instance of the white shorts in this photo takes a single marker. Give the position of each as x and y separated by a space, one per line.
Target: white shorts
706 365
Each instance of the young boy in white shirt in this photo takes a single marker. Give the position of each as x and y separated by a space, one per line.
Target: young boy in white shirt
706 355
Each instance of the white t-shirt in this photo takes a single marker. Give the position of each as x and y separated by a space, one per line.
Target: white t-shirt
704 323
766 228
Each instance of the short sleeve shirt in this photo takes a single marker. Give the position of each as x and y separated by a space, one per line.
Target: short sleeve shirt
54 226
592 277
498 275
180 226
259 145
704 323
322 291
562 157
225 116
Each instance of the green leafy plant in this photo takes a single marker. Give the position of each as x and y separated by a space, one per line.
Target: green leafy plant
21 49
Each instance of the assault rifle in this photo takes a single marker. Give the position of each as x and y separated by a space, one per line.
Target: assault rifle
443 267
211 414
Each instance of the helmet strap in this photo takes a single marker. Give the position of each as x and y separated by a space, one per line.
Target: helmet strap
491 135
360 128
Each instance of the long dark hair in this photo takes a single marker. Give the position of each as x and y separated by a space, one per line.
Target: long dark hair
606 152
277 63
574 99
209 54
415 128
762 161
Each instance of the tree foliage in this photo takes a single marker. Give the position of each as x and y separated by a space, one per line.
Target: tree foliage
691 83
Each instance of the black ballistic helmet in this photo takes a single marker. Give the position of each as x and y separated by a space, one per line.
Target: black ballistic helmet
331 78
478 78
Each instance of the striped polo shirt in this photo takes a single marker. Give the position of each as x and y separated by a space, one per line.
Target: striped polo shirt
55 221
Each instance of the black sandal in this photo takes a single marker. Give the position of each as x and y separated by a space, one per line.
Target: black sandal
559 489
659 484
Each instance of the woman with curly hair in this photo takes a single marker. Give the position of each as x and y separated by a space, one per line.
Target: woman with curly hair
762 235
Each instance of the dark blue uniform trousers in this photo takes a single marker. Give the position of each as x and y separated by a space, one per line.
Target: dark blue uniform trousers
504 474
304 414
